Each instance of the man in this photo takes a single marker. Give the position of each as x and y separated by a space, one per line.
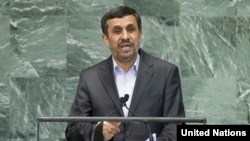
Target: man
153 86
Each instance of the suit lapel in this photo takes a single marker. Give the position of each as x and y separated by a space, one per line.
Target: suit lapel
107 78
144 74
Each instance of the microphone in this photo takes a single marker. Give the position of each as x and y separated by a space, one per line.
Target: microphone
123 101
126 97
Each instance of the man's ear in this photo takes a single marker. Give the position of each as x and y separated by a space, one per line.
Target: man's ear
105 39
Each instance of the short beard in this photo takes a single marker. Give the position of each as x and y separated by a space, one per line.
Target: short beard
126 58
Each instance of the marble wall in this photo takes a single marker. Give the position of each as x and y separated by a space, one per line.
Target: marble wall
45 43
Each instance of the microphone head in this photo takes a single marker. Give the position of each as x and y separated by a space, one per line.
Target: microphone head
126 96
122 100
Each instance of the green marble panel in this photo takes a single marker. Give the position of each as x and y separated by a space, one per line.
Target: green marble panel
208 46
51 131
37 7
5 51
243 100
208 7
5 60
243 47
243 8
159 39
212 98
85 45
5 7
34 97
4 109
243 75
166 8
39 43
90 7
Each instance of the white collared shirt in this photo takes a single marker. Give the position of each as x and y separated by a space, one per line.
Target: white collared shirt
125 81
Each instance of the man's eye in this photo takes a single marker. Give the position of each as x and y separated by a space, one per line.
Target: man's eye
131 29
117 31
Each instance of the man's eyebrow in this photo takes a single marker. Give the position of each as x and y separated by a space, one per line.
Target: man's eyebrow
117 26
129 25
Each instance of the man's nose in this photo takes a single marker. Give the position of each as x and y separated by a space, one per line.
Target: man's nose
125 35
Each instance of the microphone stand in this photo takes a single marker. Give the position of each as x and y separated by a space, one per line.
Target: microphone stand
149 130
123 100
93 132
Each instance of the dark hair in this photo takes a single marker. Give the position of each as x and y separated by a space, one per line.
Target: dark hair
119 12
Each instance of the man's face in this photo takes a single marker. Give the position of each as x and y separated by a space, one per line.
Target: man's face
123 38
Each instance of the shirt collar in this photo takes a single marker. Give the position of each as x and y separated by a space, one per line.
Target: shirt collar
135 65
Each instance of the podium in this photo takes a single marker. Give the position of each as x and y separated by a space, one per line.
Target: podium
120 119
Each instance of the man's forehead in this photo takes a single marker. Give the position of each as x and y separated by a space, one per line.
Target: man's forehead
123 21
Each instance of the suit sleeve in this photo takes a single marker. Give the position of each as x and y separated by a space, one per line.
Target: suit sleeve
81 107
173 105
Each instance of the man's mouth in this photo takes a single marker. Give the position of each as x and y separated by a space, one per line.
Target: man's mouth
125 45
